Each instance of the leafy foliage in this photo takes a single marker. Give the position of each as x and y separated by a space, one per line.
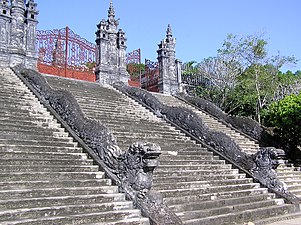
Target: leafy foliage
285 115
135 69
243 80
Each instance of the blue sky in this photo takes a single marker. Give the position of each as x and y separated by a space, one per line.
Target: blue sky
199 26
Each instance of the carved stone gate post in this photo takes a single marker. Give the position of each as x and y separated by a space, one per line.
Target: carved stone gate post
170 74
110 51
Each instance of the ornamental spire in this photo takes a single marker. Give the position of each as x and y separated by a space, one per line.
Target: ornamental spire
169 31
111 11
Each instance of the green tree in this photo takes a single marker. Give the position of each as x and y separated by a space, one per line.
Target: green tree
191 69
285 115
135 69
221 74
249 76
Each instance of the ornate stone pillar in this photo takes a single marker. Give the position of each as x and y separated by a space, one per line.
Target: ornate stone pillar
110 53
17 33
168 81
5 29
121 45
31 15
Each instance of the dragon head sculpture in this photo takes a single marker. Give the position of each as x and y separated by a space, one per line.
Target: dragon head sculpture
136 165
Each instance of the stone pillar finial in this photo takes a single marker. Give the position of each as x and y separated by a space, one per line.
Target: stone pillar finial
169 31
111 11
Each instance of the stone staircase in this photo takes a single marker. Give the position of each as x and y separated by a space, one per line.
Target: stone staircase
287 172
200 187
247 145
291 176
45 177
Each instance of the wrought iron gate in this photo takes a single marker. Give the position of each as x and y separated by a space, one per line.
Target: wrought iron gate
61 52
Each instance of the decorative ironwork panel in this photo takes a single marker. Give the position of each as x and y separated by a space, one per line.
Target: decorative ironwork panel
150 78
133 57
62 48
151 65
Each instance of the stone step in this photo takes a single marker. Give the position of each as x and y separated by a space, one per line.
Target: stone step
171 157
182 199
132 125
176 144
40 149
36 132
20 111
199 191
169 131
199 184
10 91
294 187
167 136
289 173
42 155
158 140
186 178
15 185
190 162
226 209
5 142
29 176
287 169
15 118
180 168
171 150
19 137
44 162
60 200
242 216
118 110
19 101
89 218
34 126
293 182
52 168
286 218
64 210
196 178
51 192
215 203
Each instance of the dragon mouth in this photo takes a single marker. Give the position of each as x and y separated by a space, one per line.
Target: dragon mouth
150 158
